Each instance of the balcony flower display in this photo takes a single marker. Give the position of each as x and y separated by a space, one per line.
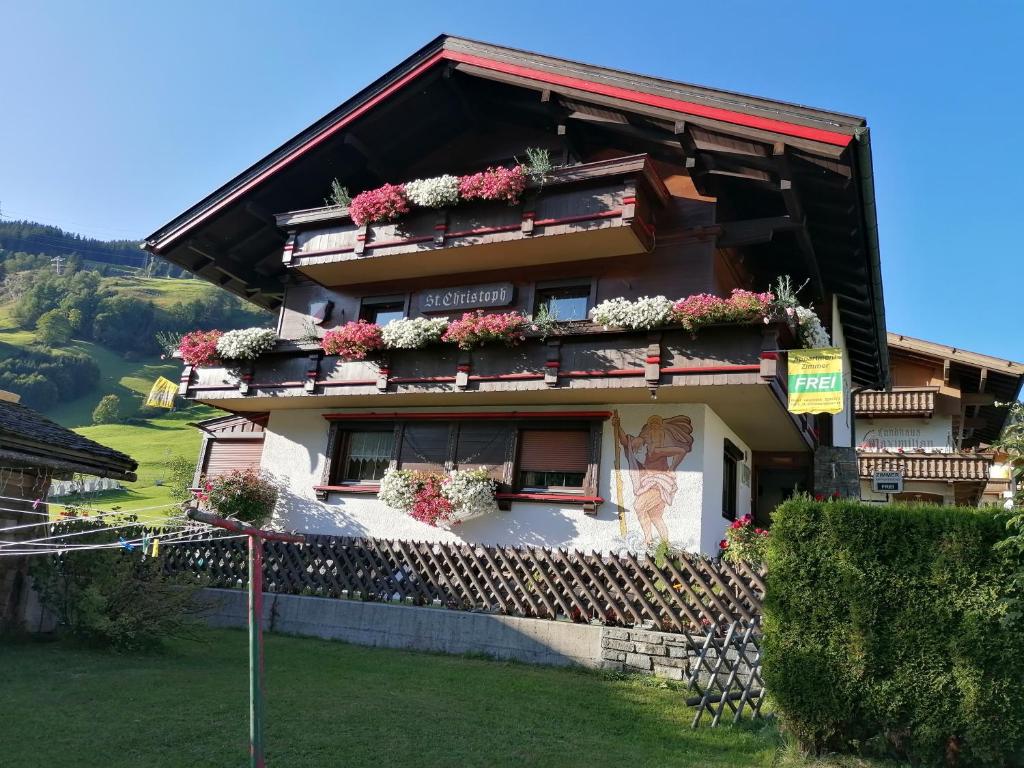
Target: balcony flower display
413 332
245 344
199 348
438 192
353 341
812 333
705 309
439 499
642 314
384 203
494 184
474 329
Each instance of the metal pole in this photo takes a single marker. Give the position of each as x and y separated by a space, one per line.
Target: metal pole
256 652
256 538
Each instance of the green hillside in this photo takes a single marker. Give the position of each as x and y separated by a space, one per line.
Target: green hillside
151 442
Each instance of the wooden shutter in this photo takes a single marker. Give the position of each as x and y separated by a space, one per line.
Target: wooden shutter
483 444
424 446
554 450
225 456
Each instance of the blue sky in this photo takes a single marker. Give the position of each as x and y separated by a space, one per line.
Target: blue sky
115 116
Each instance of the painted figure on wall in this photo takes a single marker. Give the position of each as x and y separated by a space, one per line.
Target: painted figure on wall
653 456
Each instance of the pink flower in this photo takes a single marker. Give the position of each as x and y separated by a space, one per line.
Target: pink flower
494 184
199 348
723 544
381 204
474 329
429 505
353 340
736 525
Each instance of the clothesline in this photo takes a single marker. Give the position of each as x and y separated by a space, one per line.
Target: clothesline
111 545
62 536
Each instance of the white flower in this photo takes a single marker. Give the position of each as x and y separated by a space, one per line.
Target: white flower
471 492
414 332
642 314
438 192
398 489
246 344
812 333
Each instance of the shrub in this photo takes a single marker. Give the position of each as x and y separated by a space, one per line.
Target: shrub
108 411
54 328
111 596
883 627
744 542
354 340
381 204
180 473
494 184
246 495
474 329
199 348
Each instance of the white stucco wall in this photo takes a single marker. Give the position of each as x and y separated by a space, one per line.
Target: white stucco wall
713 524
842 423
296 441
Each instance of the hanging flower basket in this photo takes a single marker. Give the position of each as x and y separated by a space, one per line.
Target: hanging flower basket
439 499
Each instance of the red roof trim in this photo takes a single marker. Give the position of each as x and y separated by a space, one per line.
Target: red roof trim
676 105
651 100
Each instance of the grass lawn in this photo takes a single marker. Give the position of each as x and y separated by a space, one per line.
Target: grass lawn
334 704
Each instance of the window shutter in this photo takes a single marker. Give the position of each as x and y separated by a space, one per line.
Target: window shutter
424 447
483 444
554 450
225 456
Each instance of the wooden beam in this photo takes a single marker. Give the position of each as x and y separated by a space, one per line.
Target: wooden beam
753 231
978 398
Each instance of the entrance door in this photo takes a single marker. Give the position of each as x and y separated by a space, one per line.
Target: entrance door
775 486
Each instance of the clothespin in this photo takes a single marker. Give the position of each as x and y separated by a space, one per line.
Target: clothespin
156 547
145 544
127 545
36 503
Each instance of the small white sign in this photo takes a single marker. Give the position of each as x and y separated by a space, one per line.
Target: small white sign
887 482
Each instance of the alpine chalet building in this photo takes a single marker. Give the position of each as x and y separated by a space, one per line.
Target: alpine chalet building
640 396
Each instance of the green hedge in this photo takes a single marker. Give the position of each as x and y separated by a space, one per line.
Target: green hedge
884 632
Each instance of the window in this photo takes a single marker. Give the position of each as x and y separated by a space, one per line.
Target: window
731 458
363 455
539 454
553 459
562 303
382 309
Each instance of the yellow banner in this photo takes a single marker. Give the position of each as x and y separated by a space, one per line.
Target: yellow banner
162 394
815 380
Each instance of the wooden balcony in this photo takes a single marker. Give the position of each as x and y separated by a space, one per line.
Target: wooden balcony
908 402
588 211
734 369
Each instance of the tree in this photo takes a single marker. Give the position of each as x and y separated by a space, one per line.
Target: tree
53 328
108 411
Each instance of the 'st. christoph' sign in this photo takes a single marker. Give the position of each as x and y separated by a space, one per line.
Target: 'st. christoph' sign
465 297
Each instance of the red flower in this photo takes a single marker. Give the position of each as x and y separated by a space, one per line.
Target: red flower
835 495
353 340
723 544
475 328
199 348
736 524
494 184
819 497
381 204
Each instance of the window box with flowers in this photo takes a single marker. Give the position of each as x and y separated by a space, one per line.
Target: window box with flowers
354 340
439 499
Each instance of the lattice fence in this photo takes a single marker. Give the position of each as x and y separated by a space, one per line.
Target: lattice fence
683 594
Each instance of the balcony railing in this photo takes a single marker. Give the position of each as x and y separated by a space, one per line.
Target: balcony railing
588 211
915 402
583 356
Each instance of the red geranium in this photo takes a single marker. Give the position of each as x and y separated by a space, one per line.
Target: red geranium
381 204
353 340
475 328
430 506
494 184
199 348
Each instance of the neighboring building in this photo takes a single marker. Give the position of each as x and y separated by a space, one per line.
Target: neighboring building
599 438
936 423
33 452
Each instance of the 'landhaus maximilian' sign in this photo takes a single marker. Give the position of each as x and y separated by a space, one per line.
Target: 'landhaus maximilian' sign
465 297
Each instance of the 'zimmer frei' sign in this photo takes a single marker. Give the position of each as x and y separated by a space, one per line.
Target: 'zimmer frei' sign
815 380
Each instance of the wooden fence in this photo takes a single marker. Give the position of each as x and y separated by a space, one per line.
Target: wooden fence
682 594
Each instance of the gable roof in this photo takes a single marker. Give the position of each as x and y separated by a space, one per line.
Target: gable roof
28 437
231 237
